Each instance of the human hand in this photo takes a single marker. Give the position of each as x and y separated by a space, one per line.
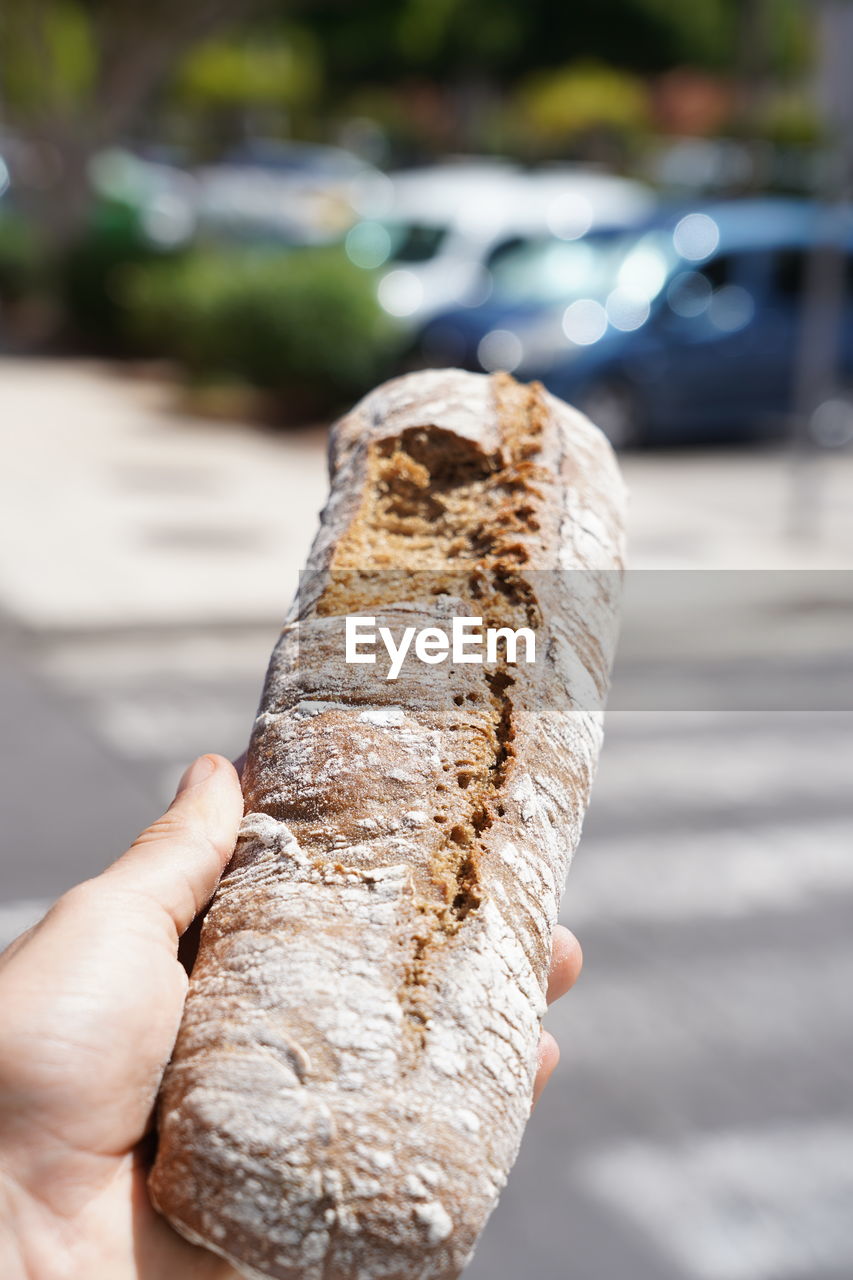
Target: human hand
92 999
566 965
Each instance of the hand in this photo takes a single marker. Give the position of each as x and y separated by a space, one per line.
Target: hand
566 964
92 999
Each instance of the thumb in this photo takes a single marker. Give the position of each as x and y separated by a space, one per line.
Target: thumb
178 860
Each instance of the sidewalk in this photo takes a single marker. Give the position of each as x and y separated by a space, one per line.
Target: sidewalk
117 511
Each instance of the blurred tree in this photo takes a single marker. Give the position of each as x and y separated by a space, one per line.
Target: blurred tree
264 82
76 74
579 103
383 40
248 71
379 49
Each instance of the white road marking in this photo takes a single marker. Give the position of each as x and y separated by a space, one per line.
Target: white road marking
738 1205
659 764
779 1003
94 664
711 874
158 727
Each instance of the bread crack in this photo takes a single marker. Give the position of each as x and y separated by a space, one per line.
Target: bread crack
441 516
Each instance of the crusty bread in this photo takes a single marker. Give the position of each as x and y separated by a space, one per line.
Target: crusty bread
354 1068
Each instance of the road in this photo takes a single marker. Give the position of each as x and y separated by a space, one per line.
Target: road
700 1125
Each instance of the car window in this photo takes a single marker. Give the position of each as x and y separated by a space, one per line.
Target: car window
506 249
714 290
414 241
722 270
545 270
691 288
788 274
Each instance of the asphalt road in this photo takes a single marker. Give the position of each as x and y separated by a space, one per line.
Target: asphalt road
700 1125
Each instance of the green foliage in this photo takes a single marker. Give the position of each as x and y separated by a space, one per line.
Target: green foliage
91 273
305 320
381 40
283 69
423 27
49 62
557 106
791 120
702 33
20 258
792 34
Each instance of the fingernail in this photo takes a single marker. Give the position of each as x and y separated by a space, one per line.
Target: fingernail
195 773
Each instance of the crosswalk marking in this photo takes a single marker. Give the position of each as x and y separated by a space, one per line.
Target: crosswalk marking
99 665
668 763
770 1007
738 1204
155 728
688 875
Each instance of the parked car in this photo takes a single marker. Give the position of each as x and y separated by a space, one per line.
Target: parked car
287 192
689 330
532 280
436 238
718 353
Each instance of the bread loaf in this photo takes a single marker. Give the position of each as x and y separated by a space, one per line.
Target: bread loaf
355 1064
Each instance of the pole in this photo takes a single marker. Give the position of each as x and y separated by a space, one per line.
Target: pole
817 372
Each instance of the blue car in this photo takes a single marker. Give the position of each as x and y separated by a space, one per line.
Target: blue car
687 330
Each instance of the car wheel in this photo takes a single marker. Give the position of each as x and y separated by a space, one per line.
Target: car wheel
614 407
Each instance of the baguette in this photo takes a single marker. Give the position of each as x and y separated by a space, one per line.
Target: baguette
354 1068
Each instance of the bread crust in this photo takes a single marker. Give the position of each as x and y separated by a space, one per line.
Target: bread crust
354 1068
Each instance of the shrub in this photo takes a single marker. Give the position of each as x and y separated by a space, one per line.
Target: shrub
91 273
302 320
20 258
560 107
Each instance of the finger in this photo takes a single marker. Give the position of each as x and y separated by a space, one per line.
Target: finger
549 1056
16 944
178 860
566 963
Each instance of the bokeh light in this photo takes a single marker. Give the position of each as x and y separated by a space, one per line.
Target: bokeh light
831 424
368 244
731 308
168 220
643 273
400 293
500 349
585 322
696 236
625 311
570 216
689 294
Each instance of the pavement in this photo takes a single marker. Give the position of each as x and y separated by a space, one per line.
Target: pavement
700 1124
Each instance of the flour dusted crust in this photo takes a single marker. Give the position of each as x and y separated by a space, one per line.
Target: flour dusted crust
354 1068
